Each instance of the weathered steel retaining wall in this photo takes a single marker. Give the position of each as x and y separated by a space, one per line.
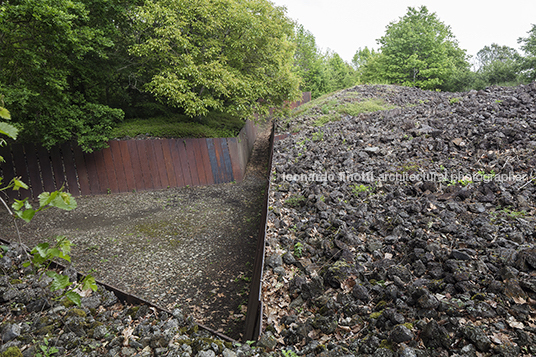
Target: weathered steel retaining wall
128 165
252 328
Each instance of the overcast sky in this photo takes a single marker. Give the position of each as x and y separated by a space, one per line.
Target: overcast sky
345 25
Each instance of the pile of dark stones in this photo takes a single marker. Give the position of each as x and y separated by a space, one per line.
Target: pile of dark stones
406 232
36 321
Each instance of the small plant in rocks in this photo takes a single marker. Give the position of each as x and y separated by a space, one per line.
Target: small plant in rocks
298 250
357 189
295 201
46 350
42 256
318 136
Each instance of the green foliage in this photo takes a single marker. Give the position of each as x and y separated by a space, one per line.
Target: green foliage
218 55
214 125
43 255
6 129
71 69
368 66
419 50
298 250
318 136
45 350
289 353
367 106
24 210
487 177
320 73
513 214
51 68
498 65
328 118
295 201
339 74
357 189
528 63
461 182
309 63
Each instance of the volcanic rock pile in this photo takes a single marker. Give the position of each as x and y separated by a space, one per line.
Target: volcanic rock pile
38 322
406 232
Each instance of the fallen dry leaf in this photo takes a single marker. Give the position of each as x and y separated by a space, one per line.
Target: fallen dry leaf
127 333
519 300
514 323
499 338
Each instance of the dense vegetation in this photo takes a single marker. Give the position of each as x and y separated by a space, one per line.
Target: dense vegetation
418 50
76 69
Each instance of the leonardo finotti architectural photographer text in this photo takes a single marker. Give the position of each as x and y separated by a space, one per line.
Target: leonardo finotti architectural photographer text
404 177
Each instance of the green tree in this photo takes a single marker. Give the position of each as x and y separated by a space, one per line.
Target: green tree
339 73
361 57
309 63
420 50
5 129
498 65
48 50
367 64
223 55
528 62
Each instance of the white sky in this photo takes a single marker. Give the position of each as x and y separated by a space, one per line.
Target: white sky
345 25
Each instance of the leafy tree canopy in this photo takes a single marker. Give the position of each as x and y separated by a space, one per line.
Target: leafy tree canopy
309 63
339 73
362 56
494 52
528 45
45 46
498 65
420 50
223 55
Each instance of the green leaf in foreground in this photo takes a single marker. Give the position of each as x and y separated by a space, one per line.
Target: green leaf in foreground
60 281
4 113
89 283
8 130
17 184
74 297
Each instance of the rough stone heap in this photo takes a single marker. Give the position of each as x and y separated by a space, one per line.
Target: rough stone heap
35 320
406 232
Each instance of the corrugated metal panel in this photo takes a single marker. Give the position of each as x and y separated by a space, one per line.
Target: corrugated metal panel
144 164
91 166
157 180
168 164
119 167
136 164
57 167
70 169
83 175
46 169
20 167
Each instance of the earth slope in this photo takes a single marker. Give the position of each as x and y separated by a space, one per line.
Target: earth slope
408 231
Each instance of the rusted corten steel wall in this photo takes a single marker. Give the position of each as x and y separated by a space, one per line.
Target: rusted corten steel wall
128 165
